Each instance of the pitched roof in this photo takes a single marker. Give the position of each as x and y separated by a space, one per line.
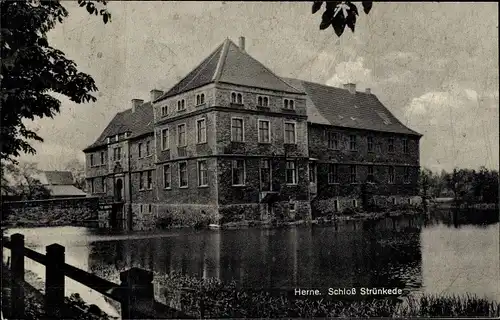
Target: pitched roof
138 124
338 107
230 64
65 191
55 177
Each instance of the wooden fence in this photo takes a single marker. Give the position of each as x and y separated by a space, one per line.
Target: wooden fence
135 293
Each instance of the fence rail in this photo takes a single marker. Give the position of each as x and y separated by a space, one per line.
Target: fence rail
135 293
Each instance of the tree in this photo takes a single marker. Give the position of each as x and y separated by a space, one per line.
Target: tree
339 14
77 169
31 70
425 183
21 181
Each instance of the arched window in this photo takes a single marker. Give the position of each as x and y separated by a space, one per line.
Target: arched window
233 97
240 99
291 104
286 103
266 102
259 101
198 100
182 104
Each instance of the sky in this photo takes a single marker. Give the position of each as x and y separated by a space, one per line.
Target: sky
433 65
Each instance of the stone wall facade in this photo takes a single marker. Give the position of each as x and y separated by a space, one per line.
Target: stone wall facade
64 211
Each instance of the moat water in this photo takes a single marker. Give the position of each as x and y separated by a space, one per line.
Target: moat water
438 256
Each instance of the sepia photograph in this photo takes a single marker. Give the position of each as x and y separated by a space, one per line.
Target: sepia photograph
241 159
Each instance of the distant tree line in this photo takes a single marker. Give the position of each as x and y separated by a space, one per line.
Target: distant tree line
463 185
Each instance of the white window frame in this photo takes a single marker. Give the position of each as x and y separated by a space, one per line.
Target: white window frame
199 95
268 130
198 131
295 172
333 137
294 132
262 105
236 95
242 129
286 105
181 105
169 176
294 204
164 110
199 175
355 203
244 172
178 135
333 177
179 174
165 146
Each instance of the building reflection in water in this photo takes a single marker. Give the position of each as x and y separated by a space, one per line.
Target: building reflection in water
350 253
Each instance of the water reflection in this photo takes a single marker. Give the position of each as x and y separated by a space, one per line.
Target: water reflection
416 254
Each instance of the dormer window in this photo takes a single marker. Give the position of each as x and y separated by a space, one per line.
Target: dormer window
181 105
164 111
289 104
200 99
116 137
262 101
236 98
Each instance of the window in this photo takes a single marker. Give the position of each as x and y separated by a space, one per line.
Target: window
406 176
167 176
148 150
150 179
92 187
264 131
291 172
200 99
142 208
370 143
312 172
92 160
103 181
183 178
336 205
391 175
265 175
262 101
150 207
165 141
394 201
202 173
354 203
391 145
354 175
181 105
139 147
117 137
289 104
333 140
409 200
141 180
117 153
352 142
201 131
332 173
237 130
405 145
103 157
181 135
164 111
290 133
238 168
370 177
236 98
292 206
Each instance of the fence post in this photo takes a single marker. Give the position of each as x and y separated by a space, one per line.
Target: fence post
17 281
54 280
138 293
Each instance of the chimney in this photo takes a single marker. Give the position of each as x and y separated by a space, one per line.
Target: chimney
368 90
242 43
136 103
155 94
351 87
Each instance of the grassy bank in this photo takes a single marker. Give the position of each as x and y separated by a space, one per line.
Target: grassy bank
225 300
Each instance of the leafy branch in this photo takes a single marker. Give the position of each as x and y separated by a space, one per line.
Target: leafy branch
339 14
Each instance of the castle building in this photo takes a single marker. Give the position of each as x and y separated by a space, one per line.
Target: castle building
233 141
